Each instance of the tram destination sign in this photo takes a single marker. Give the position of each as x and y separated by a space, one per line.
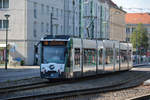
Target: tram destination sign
54 43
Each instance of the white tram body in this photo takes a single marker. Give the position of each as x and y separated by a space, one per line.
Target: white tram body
66 57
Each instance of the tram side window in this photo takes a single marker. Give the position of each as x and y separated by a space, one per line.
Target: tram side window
109 56
123 56
77 57
89 57
100 56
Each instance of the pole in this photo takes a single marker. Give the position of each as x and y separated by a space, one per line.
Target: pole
81 34
105 32
51 23
73 2
92 21
6 60
80 18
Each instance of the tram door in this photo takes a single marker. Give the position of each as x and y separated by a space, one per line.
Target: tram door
100 57
117 59
116 56
130 58
77 62
123 60
89 62
109 61
100 60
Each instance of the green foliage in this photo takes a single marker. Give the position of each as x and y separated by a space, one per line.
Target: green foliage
139 37
22 62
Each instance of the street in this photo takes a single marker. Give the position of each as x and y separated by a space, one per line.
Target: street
18 73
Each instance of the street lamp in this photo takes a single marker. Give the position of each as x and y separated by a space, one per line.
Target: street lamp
6 53
73 3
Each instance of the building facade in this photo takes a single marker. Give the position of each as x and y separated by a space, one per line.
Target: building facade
32 19
87 18
117 24
132 21
29 21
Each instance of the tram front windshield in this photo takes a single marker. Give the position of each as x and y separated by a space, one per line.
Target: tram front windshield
54 54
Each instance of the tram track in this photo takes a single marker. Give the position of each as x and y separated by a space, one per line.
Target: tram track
56 95
22 87
37 85
43 84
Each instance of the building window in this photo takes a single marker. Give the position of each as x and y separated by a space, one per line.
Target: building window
56 29
4 24
52 9
57 12
47 27
35 10
42 8
77 30
133 29
34 29
42 27
4 4
0 24
61 29
1 4
61 13
47 10
127 30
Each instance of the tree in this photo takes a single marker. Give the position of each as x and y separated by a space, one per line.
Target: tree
139 38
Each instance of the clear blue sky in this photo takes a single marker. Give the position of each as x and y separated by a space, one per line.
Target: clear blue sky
134 4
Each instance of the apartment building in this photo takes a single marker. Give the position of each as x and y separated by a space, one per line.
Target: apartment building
32 19
91 18
133 19
117 23
29 21
95 19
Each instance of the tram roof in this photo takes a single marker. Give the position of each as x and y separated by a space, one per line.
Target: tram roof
56 37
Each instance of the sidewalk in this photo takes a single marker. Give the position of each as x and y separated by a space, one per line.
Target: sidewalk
18 72
143 64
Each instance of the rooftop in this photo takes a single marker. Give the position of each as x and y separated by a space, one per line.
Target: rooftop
136 18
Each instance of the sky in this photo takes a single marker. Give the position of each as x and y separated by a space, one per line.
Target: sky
140 5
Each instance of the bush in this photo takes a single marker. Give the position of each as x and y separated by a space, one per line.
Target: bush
22 62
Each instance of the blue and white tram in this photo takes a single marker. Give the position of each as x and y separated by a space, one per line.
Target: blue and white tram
66 57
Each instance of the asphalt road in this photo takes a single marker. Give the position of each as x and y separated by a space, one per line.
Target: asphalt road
19 73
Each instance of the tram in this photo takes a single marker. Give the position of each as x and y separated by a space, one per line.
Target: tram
66 57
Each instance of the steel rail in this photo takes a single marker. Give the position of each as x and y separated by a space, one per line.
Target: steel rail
48 84
113 87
